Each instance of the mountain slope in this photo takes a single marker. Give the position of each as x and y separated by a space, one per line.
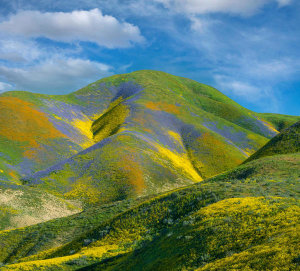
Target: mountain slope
246 218
123 136
129 234
63 122
33 135
23 206
158 132
281 166
288 141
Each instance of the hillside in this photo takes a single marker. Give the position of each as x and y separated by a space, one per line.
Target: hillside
121 137
246 221
246 218
282 166
288 141
279 121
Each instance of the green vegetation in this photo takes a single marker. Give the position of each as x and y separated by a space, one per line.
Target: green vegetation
110 122
21 206
280 121
125 136
288 141
238 219
140 172
284 166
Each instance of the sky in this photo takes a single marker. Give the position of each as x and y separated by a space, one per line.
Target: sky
249 50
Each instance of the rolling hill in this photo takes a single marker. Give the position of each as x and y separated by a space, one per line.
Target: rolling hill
245 219
122 137
39 130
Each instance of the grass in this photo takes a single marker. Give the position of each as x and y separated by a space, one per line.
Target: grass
110 122
22 206
284 166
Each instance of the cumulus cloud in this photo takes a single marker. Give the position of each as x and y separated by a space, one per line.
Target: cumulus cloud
55 76
244 7
78 25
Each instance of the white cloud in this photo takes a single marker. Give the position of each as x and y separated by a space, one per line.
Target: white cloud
78 25
282 3
18 51
55 76
5 87
275 69
242 7
240 89
197 24
260 94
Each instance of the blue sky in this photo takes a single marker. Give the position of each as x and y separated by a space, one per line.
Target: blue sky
247 49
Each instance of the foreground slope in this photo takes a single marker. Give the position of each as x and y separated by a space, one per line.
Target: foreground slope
245 222
121 137
246 219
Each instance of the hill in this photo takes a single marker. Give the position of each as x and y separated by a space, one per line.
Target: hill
122 143
124 136
237 220
279 121
288 141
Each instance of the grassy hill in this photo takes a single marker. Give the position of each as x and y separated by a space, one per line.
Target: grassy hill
288 141
246 218
243 219
279 121
38 130
122 137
